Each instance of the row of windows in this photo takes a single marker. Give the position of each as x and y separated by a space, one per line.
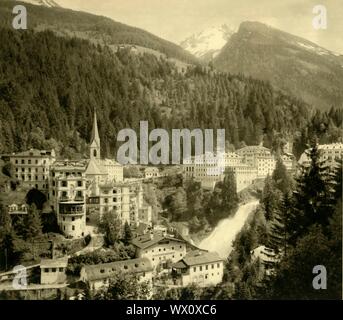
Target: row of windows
28 169
29 161
79 194
30 178
160 249
54 270
64 183
206 267
164 257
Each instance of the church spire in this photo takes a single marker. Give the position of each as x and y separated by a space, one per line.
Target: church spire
95 140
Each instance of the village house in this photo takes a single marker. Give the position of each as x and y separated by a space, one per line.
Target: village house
53 271
98 276
200 267
159 249
151 172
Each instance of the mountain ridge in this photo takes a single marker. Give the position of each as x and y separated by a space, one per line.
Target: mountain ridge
290 63
97 29
206 44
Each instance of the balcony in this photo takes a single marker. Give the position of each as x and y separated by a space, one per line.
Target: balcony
75 210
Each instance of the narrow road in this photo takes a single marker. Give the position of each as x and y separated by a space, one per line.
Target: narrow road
221 238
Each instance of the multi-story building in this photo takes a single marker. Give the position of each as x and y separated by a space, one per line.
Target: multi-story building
159 249
98 276
211 170
32 167
68 196
260 158
330 154
244 174
200 267
124 198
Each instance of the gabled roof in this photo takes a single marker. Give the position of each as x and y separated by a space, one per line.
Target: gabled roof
94 168
54 263
198 257
107 270
145 241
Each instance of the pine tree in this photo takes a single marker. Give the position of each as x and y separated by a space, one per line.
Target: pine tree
229 193
5 219
33 224
127 233
281 177
314 196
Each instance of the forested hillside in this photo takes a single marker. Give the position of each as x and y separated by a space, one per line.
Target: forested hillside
50 86
97 29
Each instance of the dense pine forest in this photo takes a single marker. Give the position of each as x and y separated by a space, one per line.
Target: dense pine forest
50 86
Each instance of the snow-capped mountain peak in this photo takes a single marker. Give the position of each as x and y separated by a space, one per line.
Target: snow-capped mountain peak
208 43
46 3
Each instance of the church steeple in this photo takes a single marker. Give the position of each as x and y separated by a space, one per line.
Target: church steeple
95 140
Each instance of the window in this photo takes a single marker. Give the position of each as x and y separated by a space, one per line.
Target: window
200 268
64 183
23 161
194 269
46 269
217 265
53 269
16 161
79 183
172 248
72 219
29 161
114 199
73 228
207 267
36 161
61 269
212 266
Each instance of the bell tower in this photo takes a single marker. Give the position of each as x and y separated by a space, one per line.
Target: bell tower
95 140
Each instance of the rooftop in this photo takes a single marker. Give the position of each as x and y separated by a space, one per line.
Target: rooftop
34 153
198 257
54 263
106 270
146 241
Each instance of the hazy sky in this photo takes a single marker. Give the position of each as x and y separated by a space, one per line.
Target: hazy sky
174 20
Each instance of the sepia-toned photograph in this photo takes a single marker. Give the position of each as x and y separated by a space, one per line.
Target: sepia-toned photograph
171 150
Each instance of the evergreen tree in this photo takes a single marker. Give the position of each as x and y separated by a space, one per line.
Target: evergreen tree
229 193
127 233
281 177
33 224
314 196
110 225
